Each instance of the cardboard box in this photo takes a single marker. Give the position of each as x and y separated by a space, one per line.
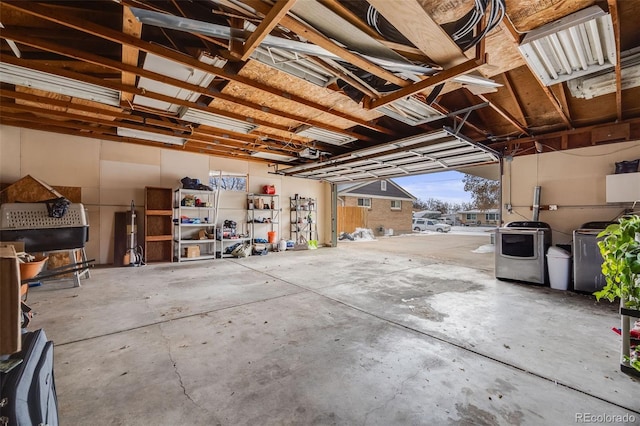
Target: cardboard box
18 245
10 316
192 251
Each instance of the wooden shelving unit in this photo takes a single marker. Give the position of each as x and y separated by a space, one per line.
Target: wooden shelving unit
158 224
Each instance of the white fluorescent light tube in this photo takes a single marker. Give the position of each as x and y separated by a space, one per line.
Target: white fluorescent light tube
272 156
292 64
578 44
326 136
21 76
156 137
215 120
411 111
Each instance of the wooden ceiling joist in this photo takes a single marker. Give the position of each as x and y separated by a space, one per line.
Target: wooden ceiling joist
156 96
564 116
410 18
22 35
427 83
509 87
315 37
613 10
38 114
50 14
277 12
124 116
132 27
95 133
505 114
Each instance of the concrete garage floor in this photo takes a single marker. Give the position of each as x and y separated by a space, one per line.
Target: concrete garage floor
399 331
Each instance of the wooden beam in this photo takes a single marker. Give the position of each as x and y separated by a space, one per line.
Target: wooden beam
183 132
123 115
507 27
615 18
132 27
506 115
515 38
157 96
427 83
556 105
410 18
561 98
277 12
52 15
509 86
95 133
346 14
24 38
321 40
573 132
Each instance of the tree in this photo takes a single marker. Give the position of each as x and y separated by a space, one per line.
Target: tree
485 193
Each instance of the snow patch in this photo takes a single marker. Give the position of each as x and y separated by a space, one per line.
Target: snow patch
487 248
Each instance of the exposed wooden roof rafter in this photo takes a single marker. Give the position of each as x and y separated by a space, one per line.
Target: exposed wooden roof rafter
613 10
505 114
509 87
132 27
23 37
50 14
427 83
319 39
277 12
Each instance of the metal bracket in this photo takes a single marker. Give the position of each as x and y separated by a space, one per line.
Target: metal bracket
466 111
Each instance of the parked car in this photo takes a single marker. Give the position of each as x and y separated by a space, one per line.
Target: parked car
430 225
446 220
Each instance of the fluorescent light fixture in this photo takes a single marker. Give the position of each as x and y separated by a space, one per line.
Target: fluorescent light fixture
273 156
604 82
176 71
164 20
156 137
327 136
293 64
476 80
21 76
215 120
411 110
578 44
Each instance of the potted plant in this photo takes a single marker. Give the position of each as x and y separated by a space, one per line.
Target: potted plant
620 249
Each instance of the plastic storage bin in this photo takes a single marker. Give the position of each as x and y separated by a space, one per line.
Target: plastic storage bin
559 263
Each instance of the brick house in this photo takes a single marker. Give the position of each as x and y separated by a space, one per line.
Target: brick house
488 217
389 206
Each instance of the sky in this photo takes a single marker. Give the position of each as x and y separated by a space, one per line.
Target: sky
445 186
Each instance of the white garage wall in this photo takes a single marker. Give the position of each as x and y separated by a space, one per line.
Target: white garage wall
574 180
112 174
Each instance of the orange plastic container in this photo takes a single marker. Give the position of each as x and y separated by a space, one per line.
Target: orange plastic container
271 236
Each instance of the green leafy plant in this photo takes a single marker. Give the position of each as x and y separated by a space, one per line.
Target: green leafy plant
620 249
